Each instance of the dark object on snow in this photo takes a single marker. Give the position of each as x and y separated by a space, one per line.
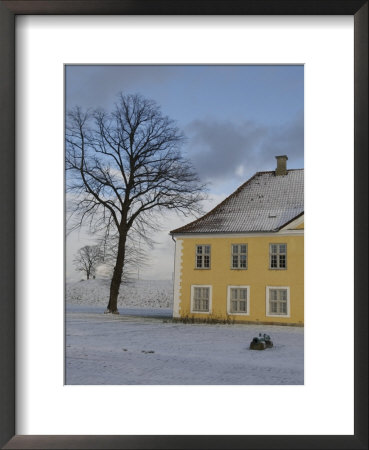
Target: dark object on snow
261 343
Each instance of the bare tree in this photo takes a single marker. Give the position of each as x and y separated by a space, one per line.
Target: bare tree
124 165
87 259
135 254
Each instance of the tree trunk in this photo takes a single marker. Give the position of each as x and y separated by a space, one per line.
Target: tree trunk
117 275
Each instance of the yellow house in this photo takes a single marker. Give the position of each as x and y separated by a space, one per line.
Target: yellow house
244 260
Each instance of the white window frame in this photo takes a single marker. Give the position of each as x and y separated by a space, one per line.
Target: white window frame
278 253
193 286
267 311
247 313
196 254
247 257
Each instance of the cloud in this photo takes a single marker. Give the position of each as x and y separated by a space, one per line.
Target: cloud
285 140
219 148
224 150
93 86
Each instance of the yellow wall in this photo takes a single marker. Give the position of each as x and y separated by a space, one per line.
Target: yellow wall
300 227
257 276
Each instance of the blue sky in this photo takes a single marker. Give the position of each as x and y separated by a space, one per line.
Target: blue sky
269 94
236 118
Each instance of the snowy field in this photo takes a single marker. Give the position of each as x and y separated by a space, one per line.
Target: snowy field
143 346
143 294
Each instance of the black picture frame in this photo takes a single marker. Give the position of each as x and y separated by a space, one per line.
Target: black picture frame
8 11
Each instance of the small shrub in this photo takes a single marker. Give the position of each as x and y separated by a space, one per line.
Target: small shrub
210 320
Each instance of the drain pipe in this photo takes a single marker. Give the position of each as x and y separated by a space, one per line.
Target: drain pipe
174 269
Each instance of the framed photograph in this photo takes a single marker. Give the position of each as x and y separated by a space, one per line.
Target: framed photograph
214 224
275 78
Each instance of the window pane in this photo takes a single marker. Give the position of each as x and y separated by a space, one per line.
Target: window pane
282 260
203 256
201 299
238 300
234 249
243 260
273 261
282 248
274 248
278 301
243 248
235 261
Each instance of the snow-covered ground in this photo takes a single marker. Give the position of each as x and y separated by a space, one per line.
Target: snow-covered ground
145 294
143 345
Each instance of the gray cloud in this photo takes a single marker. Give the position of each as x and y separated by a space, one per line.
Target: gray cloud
92 86
220 150
287 139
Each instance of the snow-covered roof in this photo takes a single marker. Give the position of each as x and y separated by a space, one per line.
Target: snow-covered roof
266 202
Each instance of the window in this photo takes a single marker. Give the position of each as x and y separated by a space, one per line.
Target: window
278 256
238 301
239 256
200 299
278 301
202 256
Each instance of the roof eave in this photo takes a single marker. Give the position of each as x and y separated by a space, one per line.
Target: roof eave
290 221
274 230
